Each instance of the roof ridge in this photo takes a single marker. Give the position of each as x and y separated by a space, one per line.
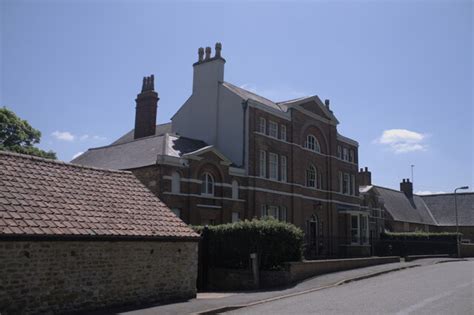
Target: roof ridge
123 143
233 85
448 194
59 162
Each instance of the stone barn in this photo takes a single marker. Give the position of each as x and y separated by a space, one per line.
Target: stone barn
75 238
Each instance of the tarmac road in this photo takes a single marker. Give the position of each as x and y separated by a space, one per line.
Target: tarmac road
446 288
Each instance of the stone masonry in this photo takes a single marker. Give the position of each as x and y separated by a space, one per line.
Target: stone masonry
50 277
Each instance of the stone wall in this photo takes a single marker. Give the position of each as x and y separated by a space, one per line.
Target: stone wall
69 276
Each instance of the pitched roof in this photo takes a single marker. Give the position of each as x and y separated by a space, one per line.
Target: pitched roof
160 130
442 208
405 209
41 197
138 153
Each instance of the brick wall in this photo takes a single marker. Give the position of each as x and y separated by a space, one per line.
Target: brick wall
68 276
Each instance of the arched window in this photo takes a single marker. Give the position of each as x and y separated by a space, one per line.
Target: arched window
207 184
235 189
312 143
175 182
311 176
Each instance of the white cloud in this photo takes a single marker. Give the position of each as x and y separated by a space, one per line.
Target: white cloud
428 192
403 140
76 155
63 135
67 136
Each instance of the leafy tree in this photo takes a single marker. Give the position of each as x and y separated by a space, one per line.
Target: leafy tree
17 135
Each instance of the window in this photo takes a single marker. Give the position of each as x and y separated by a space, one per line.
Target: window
273 163
207 184
283 132
283 169
273 129
175 183
311 177
263 163
177 212
345 184
235 216
312 143
262 125
340 182
353 192
278 213
319 178
339 151
345 154
351 156
354 229
364 229
235 189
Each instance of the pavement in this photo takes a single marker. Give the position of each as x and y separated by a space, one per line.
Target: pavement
430 289
218 302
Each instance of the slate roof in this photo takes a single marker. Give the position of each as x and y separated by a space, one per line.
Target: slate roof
138 153
442 208
160 130
41 197
404 209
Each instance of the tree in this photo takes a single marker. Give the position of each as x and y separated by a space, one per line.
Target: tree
17 135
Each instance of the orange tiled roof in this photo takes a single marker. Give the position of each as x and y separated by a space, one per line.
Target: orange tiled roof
41 197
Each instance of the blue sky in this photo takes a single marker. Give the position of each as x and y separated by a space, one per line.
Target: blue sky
398 73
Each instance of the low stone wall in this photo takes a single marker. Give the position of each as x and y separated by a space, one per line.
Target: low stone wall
234 279
467 250
305 269
69 276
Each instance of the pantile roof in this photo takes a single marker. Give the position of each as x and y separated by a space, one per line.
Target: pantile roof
41 197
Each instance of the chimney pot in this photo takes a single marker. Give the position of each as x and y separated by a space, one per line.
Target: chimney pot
366 169
361 170
326 102
208 53
218 50
200 54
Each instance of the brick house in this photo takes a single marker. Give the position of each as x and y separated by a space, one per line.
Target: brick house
229 154
404 211
75 238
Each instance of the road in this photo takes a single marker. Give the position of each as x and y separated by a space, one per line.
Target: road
446 288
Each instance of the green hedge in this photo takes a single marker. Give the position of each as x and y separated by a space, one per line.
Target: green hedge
415 243
230 245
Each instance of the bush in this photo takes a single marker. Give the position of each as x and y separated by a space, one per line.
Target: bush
415 243
230 245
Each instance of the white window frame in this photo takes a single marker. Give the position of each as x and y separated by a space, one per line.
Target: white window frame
175 183
283 168
282 215
283 132
340 181
272 129
355 229
346 188
351 156
273 166
312 143
345 154
235 189
353 192
206 180
339 151
263 164
364 229
311 177
235 216
262 125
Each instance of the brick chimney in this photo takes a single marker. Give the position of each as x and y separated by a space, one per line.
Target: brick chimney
407 187
208 71
145 113
365 177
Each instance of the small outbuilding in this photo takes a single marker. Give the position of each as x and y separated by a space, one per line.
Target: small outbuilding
75 238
